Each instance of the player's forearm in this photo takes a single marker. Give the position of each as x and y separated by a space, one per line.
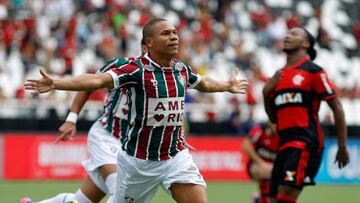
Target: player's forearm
79 101
340 123
268 107
85 82
208 84
249 149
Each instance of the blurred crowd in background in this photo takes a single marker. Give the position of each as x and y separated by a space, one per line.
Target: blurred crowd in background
69 38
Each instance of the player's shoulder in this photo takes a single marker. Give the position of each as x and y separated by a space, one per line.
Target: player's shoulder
127 64
182 62
120 61
180 65
311 67
140 61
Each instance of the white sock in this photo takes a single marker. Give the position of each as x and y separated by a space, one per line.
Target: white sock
111 185
81 198
60 198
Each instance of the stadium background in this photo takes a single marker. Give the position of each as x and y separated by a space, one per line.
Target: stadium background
74 37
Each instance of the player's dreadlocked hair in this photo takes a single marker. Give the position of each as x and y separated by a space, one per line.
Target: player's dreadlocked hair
311 50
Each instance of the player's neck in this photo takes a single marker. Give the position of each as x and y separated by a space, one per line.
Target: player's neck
162 60
293 58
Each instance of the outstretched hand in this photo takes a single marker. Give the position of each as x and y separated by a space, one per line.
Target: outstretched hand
45 84
238 86
67 132
342 157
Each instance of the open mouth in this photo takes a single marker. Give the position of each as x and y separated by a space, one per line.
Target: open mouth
287 41
173 45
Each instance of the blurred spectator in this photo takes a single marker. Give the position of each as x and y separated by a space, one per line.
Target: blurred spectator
323 39
292 20
236 118
74 37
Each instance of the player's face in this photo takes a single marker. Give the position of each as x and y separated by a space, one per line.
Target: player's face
295 39
165 39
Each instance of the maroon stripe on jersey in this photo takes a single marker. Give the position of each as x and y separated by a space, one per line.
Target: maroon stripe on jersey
143 139
116 128
303 163
180 145
111 66
129 68
184 72
170 83
172 92
164 150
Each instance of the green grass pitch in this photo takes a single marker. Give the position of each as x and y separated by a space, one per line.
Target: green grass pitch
218 192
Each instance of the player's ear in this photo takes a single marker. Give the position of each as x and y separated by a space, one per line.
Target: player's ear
306 44
149 42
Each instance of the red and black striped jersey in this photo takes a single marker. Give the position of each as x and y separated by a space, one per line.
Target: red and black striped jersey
265 142
296 100
156 106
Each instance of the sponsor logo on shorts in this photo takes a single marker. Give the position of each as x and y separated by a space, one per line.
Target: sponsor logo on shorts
307 179
114 149
129 199
290 176
192 168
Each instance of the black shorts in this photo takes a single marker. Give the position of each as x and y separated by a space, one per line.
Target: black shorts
294 167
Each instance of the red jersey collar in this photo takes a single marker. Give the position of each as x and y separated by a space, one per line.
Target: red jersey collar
303 60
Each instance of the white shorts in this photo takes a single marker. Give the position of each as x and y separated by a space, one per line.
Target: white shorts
103 149
138 180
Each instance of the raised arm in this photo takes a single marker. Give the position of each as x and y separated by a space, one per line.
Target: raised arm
68 128
85 82
342 156
233 85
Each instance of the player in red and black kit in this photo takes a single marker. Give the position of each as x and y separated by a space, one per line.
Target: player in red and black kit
261 146
292 99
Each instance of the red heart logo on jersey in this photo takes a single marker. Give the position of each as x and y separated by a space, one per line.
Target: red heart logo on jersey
158 117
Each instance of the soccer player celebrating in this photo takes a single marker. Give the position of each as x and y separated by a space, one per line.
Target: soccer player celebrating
261 146
102 143
153 149
292 100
